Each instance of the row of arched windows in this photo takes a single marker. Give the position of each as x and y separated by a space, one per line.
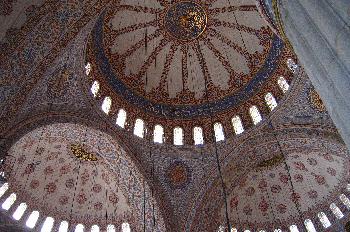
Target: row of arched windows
322 217
49 222
197 132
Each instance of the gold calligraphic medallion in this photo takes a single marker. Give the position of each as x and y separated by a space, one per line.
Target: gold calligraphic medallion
185 20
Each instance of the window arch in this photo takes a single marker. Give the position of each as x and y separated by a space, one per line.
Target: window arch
9 201
121 118
255 114
324 219
17 215
88 69
48 224
309 225
283 84
270 101
292 65
178 136
277 230
237 125
32 219
293 228
79 228
95 228
95 88
63 226
158 134
345 200
107 104
126 227
198 135
139 128
336 211
3 189
219 132
110 228
234 230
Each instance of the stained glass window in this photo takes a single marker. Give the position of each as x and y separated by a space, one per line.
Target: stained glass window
88 69
9 201
293 228
110 228
79 228
139 128
95 88
95 228
121 118
19 211
237 125
106 104
63 226
178 136
292 65
48 224
126 227
336 211
309 225
32 219
219 132
158 134
255 114
3 189
270 101
198 135
324 219
283 84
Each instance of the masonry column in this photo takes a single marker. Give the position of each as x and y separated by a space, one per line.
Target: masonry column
319 33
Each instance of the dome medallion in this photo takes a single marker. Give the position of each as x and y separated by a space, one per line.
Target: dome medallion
185 20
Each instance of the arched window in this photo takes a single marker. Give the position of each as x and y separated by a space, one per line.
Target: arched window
95 228
348 187
293 228
95 88
32 219
270 101
309 225
178 136
19 211
139 128
246 230
63 226
336 211
106 104
292 65
158 134
48 224
88 69
126 227
219 132
3 189
255 114
221 229
324 219
345 200
234 230
9 201
198 135
283 84
262 230
79 228
110 228
237 125
121 118
277 230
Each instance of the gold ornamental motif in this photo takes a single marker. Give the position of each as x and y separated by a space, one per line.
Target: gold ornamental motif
185 20
80 153
316 101
271 162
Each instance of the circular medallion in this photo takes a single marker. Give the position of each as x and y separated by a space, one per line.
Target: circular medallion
178 175
185 20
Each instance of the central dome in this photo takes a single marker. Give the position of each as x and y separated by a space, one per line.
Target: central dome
185 20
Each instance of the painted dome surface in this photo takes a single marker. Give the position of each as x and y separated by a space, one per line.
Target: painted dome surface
185 58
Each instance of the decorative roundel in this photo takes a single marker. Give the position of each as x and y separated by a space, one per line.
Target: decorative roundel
178 175
185 20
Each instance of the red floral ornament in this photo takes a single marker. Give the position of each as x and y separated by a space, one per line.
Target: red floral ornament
81 199
50 188
298 178
48 170
312 194
63 200
276 189
34 184
282 208
263 205
250 191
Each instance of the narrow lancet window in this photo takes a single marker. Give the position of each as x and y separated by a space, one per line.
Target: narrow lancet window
63 226
309 225
270 101
88 69
324 220
121 118
32 219
336 211
292 65
17 215
283 84
158 134
293 228
237 125
3 189
345 200
110 228
255 114
48 225
95 88
198 135
126 227
79 228
106 105
139 128
219 132
95 228
9 201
